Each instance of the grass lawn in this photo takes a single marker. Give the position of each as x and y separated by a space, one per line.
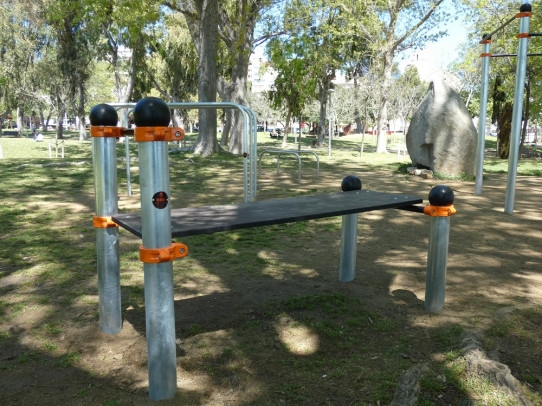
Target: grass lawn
261 317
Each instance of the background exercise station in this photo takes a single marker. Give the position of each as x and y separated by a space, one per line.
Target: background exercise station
158 223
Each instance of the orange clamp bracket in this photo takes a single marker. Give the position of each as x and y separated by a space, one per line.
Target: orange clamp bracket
524 14
157 255
439 211
142 134
486 54
524 35
114 132
104 222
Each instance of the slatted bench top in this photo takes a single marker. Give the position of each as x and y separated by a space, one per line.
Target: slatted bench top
211 219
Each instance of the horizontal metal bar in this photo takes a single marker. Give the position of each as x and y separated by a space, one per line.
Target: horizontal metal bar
535 34
503 55
488 36
416 209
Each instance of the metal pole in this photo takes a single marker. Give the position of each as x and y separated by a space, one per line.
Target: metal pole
482 118
107 239
127 153
441 199
517 111
349 233
437 257
349 236
158 277
330 123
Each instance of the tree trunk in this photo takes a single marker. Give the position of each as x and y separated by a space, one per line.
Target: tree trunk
525 116
322 128
383 110
81 109
286 129
206 143
61 110
20 122
357 117
505 129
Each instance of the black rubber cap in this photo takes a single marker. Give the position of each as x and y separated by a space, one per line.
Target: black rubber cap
103 115
441 196
351 182
151 112
525 8
485 36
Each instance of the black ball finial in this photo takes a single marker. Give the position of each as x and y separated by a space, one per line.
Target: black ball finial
486 36
526 8
351 182
441 195
151 112
103 115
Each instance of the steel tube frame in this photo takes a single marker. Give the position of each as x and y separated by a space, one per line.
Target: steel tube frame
437 257
517 113
349 236
482 121
293 152
158 277
249 136
107 239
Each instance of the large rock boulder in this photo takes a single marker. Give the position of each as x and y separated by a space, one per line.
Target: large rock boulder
441 135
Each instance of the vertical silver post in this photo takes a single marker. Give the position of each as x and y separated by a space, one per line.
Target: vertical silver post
158 277
104 159
437 256
330 133
440 207
127 154
517 113
349 236
482 117
349 233
107 238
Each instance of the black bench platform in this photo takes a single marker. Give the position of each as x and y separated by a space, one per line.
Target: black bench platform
212 219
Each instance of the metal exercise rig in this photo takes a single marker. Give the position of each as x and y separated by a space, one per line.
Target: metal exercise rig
524 17
157 224
250 139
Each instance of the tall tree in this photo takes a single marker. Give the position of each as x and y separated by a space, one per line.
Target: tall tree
22 39
391 27
75 34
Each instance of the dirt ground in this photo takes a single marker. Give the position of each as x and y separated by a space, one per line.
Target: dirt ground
241 340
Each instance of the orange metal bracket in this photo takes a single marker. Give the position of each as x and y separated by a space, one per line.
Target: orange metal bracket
523 35
525 14
104 222
114 132
439 211
486 54
157 255
143 134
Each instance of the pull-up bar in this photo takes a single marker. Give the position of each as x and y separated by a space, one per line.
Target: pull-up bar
503 55
524 16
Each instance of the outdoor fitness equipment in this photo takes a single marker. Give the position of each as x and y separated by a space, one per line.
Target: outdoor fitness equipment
250 147
524 16
157 224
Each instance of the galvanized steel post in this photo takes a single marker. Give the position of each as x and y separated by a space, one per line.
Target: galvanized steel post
441 199
349 234
517 113
102 119
486 41
156 234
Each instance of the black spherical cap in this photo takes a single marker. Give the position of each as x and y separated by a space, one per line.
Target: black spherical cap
103 115
441 196
525 8
151 112
351 182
